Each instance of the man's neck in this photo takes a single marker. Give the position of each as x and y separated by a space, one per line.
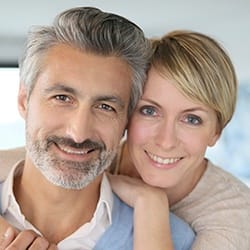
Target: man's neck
56 212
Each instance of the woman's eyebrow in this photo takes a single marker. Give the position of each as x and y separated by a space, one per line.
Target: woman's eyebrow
196 109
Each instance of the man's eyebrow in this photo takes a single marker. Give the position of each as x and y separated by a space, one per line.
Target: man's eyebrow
60 87
109 98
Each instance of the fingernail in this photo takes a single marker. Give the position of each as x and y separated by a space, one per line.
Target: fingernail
7 233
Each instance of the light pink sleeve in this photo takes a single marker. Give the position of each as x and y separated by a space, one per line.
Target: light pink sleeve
8 158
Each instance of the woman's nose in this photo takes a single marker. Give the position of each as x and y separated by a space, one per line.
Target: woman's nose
167 135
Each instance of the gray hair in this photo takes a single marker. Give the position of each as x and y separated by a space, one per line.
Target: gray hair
90 30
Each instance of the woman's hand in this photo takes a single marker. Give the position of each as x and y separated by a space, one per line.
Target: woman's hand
27 239
133 190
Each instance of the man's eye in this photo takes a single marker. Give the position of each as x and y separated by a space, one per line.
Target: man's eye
62 98
193 120
148 111
106 107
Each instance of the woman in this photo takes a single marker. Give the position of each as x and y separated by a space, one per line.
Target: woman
188 100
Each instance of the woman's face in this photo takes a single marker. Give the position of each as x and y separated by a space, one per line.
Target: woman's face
168 134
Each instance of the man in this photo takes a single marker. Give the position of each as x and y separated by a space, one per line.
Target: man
80 80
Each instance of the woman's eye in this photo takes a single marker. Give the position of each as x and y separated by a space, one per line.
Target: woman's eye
148 111
193 120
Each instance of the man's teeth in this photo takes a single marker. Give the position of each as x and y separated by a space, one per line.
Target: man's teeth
71 151
160 160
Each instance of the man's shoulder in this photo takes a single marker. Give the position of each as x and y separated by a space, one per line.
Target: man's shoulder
120 234
122 213
122 228
183 235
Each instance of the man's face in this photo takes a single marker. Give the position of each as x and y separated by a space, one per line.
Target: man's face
75 115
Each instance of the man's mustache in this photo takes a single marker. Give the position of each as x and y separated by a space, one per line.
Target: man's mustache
86 144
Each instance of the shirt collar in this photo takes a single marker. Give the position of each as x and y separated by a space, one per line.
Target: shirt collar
106 194
106 197
87 235
8 185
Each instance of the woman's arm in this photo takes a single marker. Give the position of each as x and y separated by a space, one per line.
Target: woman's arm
151 223
151 212
8 158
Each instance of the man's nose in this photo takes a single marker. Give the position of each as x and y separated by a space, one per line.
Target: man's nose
80 125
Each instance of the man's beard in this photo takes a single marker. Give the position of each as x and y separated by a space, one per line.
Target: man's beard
64 173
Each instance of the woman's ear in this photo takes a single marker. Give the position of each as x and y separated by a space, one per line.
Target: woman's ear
214 138
22 100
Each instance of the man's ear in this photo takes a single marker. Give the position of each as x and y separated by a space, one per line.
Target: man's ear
125 132
22 100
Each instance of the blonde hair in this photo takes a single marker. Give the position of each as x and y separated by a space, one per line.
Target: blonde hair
201 69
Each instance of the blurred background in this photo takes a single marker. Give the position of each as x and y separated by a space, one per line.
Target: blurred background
228 21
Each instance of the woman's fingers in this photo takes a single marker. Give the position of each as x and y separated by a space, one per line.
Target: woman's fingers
23 240
7 237
131 190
